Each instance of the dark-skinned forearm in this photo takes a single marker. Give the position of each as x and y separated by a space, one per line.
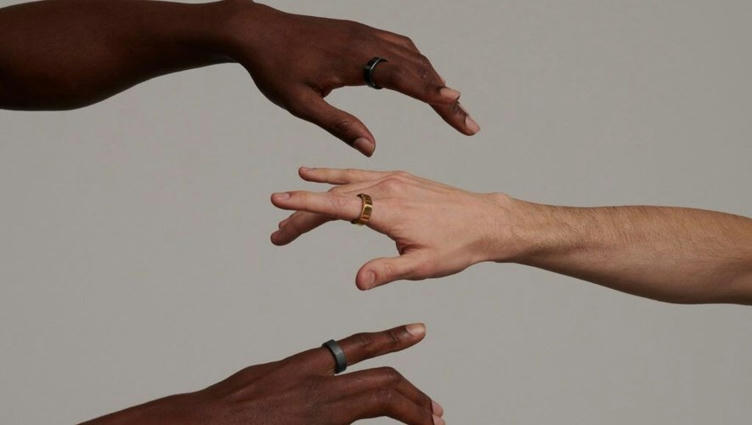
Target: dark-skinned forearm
63 54
671 254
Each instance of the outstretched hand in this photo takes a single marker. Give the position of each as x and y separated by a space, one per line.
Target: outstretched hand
296 61
438 229
302 390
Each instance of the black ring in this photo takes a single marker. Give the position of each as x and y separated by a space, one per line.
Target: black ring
340 362
369 69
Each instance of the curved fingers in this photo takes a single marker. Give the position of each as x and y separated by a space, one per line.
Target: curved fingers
386 377
383 402
297 224
310 106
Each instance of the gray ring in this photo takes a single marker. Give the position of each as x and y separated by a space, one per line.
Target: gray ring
369 69
340 361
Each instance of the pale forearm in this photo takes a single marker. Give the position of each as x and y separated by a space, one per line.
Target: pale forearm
672 254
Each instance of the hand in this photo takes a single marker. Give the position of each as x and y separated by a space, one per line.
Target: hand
296 61
439 230
301 390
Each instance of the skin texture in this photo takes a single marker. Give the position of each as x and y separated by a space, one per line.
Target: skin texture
301 390
66 54
678 255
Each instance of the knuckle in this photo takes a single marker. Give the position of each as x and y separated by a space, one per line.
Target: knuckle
407 40
395 337
390 374
391 184
385 396
387 270
341 125
363 340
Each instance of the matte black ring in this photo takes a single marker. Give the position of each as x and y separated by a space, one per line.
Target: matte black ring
340 362
369 69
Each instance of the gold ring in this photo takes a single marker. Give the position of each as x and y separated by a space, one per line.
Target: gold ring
365 211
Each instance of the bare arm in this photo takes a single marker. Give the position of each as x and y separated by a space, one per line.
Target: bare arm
677 255
64 54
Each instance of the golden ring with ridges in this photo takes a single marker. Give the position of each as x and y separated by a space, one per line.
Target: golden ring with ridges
365 211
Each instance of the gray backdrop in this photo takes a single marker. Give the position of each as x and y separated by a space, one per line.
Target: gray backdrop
134 252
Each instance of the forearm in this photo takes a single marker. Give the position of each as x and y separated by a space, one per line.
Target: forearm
168 410
670 254
61 54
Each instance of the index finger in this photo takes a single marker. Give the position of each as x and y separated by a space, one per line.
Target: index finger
339 176
360 347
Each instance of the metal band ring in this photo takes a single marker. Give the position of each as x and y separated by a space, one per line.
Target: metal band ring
366 210
369 69
340 361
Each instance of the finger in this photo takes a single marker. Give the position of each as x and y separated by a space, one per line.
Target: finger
415 80
339 176
386 377
330 204
383 402
385 270
456 116
359 347
297 224
346 127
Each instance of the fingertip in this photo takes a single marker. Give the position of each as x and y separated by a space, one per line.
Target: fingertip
472 126
364 146
417 330
280 197
437 409
365 280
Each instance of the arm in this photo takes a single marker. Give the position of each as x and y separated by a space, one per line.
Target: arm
301 390
671 254
64 54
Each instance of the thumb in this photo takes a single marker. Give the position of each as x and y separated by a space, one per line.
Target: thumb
381 271
346 127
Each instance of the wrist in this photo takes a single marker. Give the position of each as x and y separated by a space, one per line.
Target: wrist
245 28
524 231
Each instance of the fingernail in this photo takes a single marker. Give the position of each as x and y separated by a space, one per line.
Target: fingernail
364 145
305 169
437 409
449 93
281 196
369 279
438 421
416 329
471 125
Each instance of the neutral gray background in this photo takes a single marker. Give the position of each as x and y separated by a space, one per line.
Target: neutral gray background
134 252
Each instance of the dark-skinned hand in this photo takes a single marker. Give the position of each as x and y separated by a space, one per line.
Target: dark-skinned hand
65 54
301 390
297 61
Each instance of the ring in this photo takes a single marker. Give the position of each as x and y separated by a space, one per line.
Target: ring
369 69
365 210
340 362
